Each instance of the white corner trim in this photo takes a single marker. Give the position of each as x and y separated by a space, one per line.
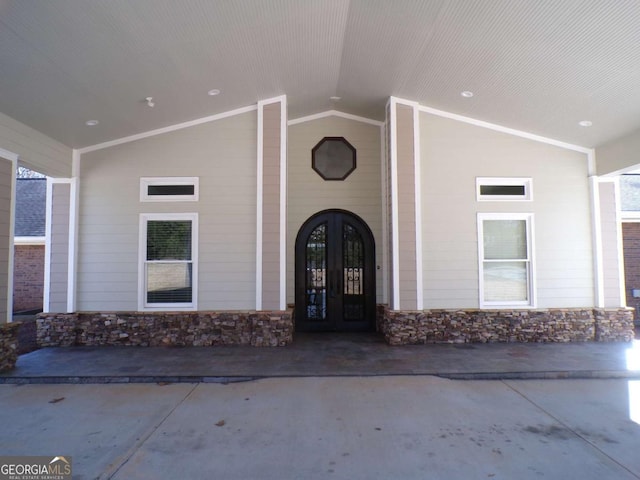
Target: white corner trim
395 235
335 113
418 207
171 128
73 244
510 131
6 154
384 185
619 244
596 233
46 307
259 204
283 202
591 162
13 158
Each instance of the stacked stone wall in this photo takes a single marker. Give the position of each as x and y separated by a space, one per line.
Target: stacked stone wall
198 329
485 326
8 345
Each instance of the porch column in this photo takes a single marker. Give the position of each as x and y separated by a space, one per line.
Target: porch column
403 123
611 292
271 205
59 246
8 162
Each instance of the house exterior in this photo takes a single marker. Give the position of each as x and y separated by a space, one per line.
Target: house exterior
29 244
288 211
442 230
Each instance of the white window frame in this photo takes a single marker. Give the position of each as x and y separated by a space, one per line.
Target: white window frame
143 306
527 183
146 182
531 269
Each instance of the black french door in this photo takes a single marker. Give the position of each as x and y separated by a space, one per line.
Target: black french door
335 274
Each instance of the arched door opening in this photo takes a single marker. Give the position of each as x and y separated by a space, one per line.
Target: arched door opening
335 273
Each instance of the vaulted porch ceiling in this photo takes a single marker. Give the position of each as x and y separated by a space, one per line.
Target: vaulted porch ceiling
540 66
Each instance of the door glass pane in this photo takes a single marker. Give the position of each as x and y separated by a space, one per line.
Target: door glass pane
353 273
505 281
316 274
505 239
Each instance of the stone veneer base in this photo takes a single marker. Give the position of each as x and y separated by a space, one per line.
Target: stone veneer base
482 326
151 329
8 345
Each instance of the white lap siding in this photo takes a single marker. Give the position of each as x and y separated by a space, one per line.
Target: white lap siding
453 155
222 154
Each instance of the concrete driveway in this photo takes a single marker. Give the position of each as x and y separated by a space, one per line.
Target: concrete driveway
409 427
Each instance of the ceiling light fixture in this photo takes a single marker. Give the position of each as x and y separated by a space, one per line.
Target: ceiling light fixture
466 94
335 98
585 123
149 101
213 92
91 123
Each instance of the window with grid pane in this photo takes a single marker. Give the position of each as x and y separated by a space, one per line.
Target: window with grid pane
168 264
505 259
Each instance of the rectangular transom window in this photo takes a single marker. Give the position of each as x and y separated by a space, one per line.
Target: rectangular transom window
169 189
168 261
505 254
503 189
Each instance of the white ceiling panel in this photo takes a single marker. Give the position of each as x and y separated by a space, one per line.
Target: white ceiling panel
535 65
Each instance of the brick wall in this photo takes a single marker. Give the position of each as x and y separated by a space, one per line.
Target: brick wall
28 277
631 243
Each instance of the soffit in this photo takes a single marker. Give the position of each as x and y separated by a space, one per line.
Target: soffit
537 66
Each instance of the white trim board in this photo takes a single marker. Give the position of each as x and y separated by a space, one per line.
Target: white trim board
395 237
418 207
170 128
334 113
511 131
283 202
29 240
259 203
12 158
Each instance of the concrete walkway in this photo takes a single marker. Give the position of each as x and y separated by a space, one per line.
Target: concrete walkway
326 355
384 427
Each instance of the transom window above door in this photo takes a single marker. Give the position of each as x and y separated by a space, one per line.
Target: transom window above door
333 158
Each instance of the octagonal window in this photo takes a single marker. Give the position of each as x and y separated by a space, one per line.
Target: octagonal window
333 158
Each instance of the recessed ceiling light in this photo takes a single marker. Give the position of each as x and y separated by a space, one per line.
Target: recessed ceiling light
150 102
335 98
466 94
91 123
585 123
213 92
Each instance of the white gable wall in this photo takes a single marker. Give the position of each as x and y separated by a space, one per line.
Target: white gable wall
222 154
453 155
